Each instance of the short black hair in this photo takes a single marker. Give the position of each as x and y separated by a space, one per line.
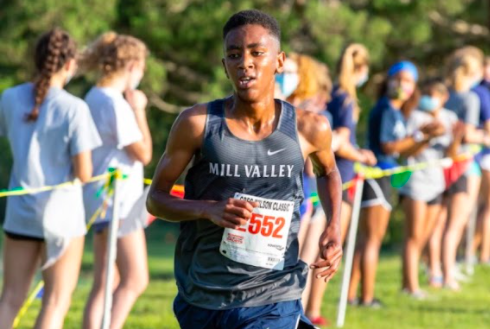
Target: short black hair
253 17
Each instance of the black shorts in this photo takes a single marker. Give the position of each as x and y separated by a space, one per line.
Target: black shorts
437 200
22 237
377 192
459 186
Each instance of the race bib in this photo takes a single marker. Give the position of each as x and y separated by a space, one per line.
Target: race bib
262 241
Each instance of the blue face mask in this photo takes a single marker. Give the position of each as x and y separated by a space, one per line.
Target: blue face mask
362 80
428 103
288 82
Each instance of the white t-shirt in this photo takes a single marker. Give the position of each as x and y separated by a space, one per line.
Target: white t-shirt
118 128
42 155
429 183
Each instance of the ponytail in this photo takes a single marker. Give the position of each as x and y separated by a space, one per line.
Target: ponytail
53 50
353 58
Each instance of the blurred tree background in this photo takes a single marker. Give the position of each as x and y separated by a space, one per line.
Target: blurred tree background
185 39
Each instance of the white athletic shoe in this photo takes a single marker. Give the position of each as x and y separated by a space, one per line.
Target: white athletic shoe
417 295
459 275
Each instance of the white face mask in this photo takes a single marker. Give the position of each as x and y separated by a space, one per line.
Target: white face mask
134 84
68 78
135 76
362 80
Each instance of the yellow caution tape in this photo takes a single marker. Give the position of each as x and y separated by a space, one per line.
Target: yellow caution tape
22 191
27 304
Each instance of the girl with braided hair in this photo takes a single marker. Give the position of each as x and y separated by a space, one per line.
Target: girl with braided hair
119 112
51 135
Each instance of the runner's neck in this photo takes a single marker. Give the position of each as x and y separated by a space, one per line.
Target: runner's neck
255 115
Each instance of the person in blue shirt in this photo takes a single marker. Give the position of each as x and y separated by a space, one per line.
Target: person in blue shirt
343 112
353 71
482 234
463 72
387 139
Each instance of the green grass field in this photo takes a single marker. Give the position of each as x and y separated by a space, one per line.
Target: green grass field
445 310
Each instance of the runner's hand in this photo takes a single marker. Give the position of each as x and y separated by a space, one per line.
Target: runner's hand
330 253
231 213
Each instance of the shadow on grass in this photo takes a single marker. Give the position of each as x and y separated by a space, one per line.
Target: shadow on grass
450 309
163 276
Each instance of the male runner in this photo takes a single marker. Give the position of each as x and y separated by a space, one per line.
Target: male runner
236 260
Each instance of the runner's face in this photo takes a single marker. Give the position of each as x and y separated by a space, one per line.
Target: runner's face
252 57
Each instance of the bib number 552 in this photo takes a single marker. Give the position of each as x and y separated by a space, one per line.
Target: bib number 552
265 225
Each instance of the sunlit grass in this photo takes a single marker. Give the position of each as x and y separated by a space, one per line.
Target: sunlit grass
446 310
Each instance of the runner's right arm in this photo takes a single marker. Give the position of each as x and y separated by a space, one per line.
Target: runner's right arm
184 141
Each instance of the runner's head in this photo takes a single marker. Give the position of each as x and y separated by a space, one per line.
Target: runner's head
55 55
252 54
116 56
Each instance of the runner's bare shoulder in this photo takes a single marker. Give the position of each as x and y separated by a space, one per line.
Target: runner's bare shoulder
313 127
190 124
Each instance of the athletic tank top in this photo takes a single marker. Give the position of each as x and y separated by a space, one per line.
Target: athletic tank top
271 168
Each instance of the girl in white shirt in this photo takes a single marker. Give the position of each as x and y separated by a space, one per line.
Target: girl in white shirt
119 112
51 134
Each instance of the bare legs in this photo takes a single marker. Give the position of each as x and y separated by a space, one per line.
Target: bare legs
483 229
460 207
458 217
60 281
435 250
419 223
373 223
21 259
132 267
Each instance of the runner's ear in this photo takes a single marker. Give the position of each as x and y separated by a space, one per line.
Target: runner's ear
224 66
281 57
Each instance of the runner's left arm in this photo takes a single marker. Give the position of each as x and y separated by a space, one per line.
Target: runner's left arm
316 131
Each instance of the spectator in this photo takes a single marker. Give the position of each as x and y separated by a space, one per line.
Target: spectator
464 70
119 111
422 195
51 135
387 138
